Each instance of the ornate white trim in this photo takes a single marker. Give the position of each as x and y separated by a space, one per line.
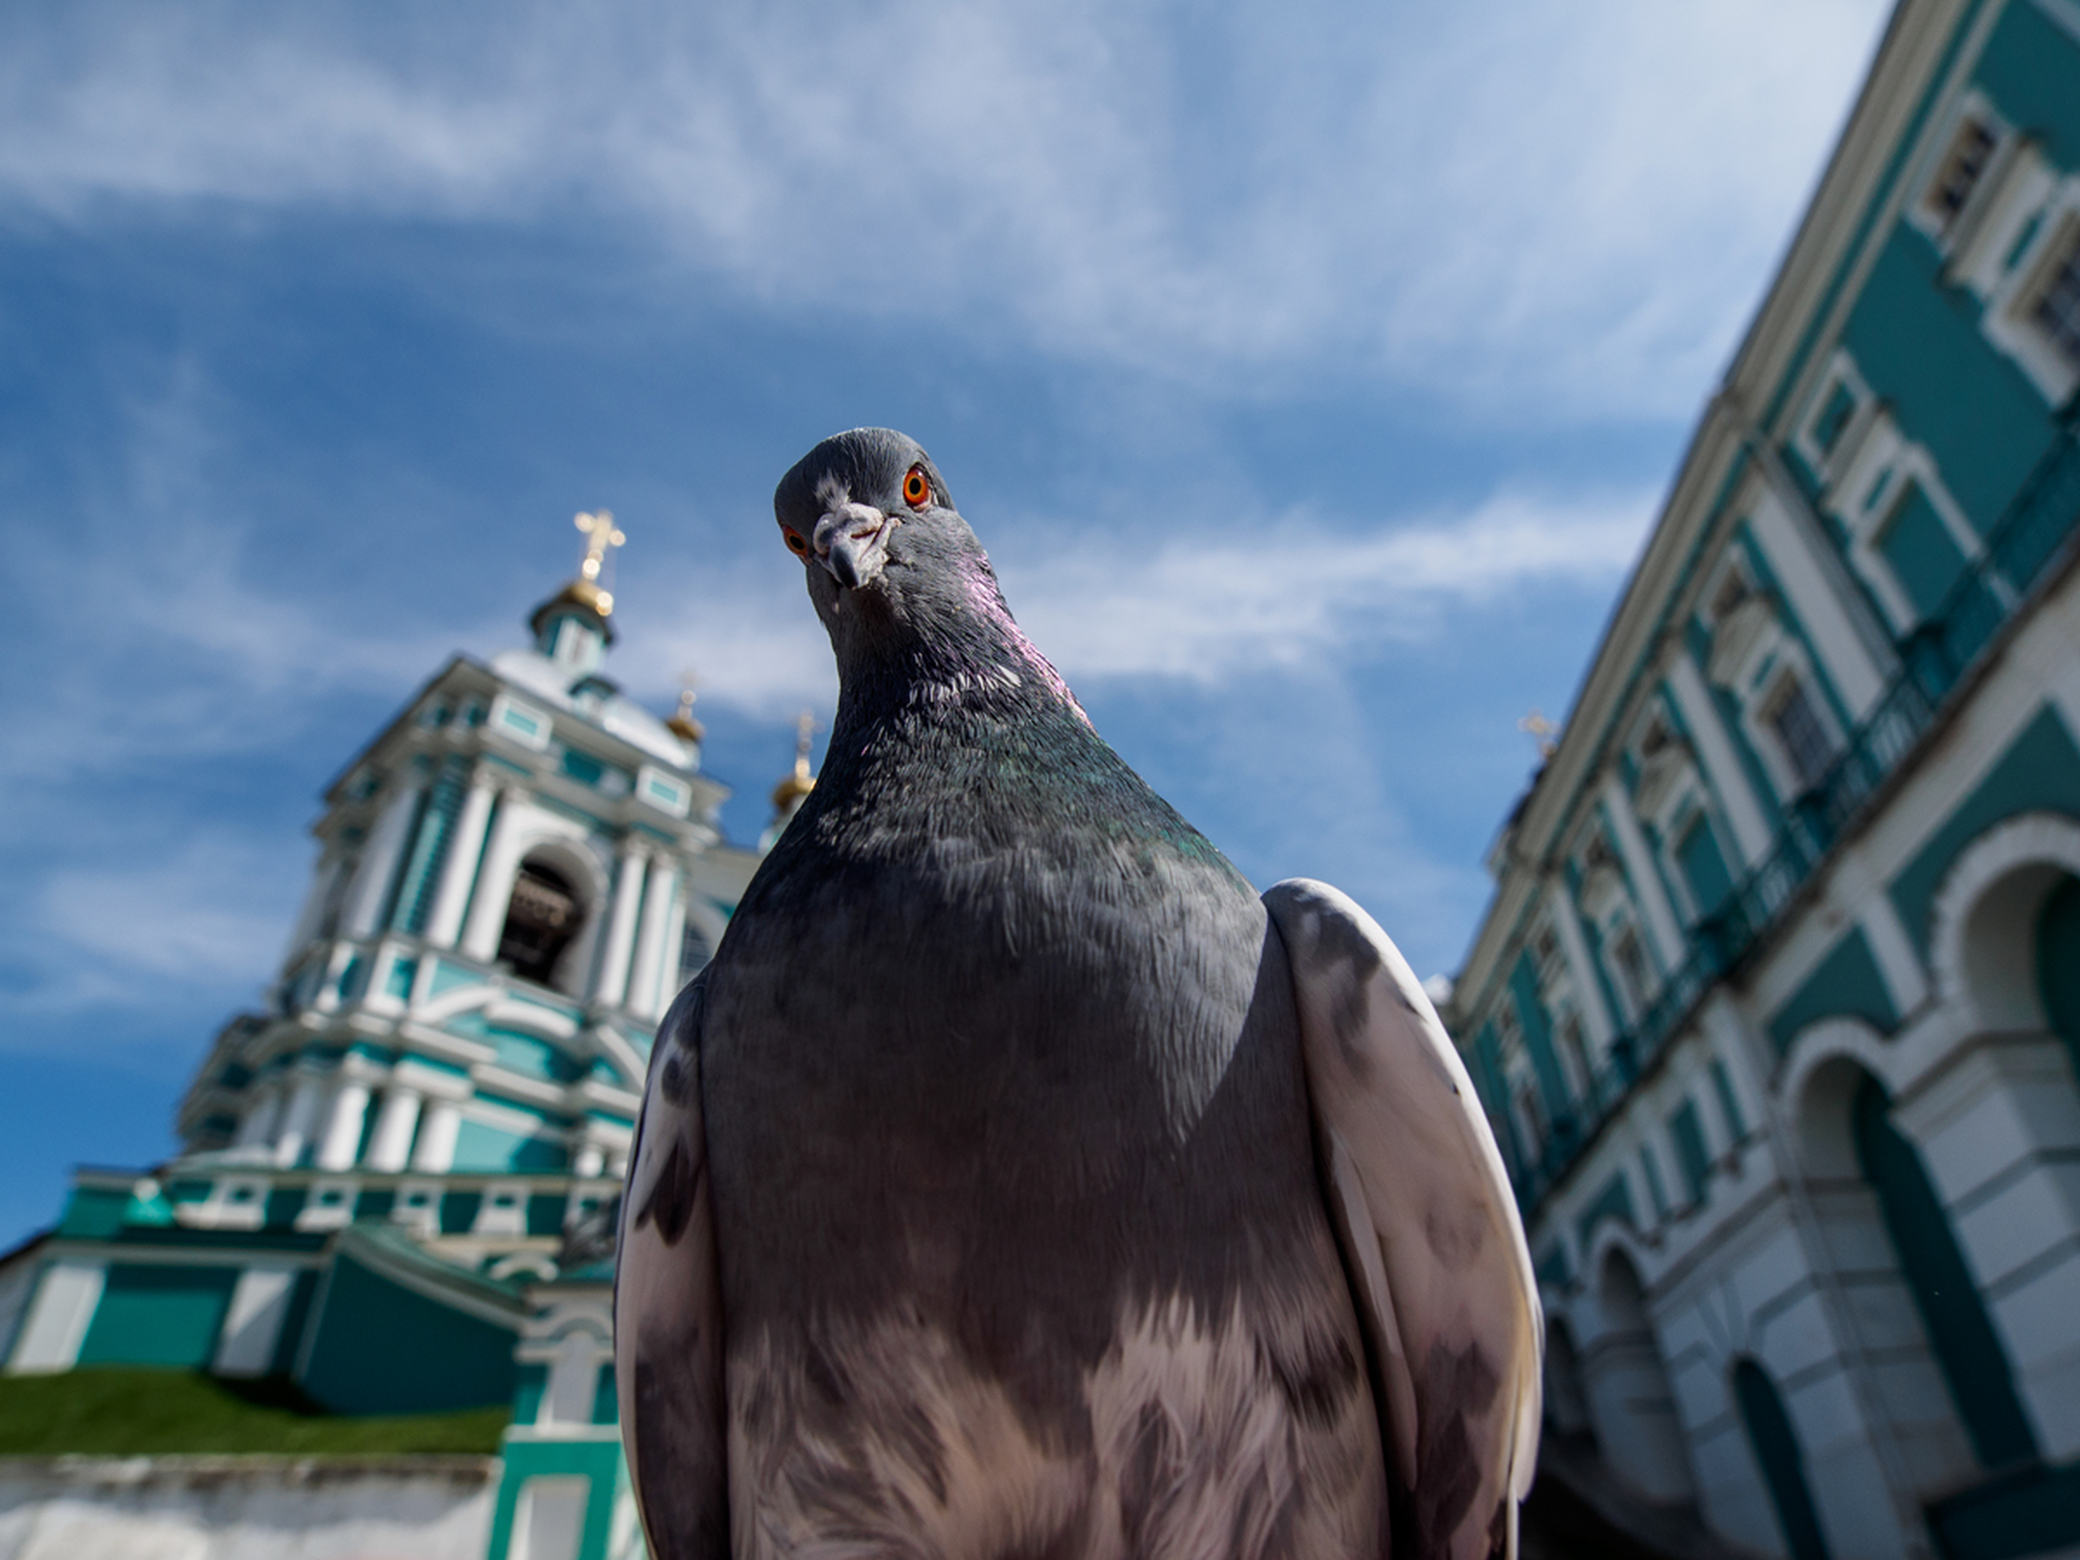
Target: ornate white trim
2031 839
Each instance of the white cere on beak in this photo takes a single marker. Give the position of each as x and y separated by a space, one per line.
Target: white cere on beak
851 542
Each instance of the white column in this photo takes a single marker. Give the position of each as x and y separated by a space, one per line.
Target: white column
465 850
1662 927
657 914
301 1120
322 878
612 984
391 1143
260 1118
1826 614
1751 830
487 911
57 1321
379 862
668 965
436 1150
1588 992
343 1131
253 1321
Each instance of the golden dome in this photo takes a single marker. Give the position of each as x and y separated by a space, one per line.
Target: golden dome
788 794
682 724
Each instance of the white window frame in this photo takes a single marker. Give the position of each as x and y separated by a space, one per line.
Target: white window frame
2009 321
1830 462
1954 233
1773 685
1867 498
505 706
650 780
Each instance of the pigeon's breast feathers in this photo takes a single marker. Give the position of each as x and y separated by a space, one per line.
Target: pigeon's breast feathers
901 582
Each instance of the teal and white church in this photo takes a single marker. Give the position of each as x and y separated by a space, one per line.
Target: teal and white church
1776 1006
396 1184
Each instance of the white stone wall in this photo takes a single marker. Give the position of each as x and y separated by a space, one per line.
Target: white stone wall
245 1508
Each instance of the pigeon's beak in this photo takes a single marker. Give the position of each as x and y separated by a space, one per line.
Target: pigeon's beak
852 543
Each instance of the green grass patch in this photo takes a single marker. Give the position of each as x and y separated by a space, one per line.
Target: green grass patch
117 1412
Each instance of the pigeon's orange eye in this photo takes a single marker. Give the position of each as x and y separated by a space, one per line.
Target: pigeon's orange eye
797 545
917 488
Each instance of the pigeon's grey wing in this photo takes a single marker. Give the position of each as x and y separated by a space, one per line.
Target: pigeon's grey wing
668 1307
1430 1232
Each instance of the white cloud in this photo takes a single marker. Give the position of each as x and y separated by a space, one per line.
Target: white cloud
1208 608
214 910
1291 594
1558 209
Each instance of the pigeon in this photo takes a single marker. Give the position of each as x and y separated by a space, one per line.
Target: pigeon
1015 1183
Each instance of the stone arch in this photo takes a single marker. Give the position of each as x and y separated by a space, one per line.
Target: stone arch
1826 1063
1625 1379
552 914
1983 928
1868 1186
1820 1073
1775 1444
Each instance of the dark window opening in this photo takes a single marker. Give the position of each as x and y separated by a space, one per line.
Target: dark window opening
1805 741
2057 309
542 918
1968 158
694 952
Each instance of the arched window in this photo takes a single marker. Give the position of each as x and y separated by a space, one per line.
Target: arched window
1968 1350
543 916
1630 1399
1783 1461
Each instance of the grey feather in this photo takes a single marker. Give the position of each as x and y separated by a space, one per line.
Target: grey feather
976 1209
1427 1222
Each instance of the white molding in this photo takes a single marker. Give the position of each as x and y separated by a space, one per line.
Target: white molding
2034 839
59 1314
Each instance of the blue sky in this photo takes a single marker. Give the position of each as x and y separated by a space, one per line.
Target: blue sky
1312 373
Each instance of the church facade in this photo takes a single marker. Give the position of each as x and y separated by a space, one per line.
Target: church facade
1776 1007
397 1182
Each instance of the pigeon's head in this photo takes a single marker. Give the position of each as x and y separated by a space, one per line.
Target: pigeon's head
884 549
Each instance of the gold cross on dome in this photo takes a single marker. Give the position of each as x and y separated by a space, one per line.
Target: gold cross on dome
600 534
1542 731
804 734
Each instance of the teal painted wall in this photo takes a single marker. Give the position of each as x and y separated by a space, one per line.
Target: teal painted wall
2041 769
1783 1461
1920 552
1974 1365
1704 865
1614 1201
482 1148
1538 1043
1918 345
379 1348
1686 1132
2028 68
153 1315
598 1461
94 1212
1845 984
